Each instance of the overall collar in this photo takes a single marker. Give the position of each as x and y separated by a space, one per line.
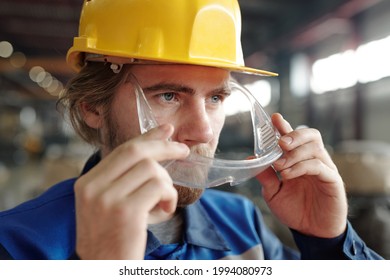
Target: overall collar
199 231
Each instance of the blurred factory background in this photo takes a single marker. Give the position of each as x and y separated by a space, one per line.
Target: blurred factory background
333 57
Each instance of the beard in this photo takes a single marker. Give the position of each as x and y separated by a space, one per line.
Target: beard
194 174
186 195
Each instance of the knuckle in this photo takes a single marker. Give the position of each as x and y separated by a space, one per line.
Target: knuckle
319 147
103 202
316 166
84 190
162 180
132 149
294 154
162 187
151 165
122 211
316 134
317 163
159 172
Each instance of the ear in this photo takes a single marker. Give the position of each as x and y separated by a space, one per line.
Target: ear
93 117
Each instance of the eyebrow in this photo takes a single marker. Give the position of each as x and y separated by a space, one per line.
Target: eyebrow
184 89
170 87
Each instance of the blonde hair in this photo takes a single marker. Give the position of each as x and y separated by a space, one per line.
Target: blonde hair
95 85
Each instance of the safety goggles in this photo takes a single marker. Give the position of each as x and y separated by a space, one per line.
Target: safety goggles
200 171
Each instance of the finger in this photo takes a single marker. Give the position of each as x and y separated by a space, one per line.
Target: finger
130 153
300 137
116 164
281 124
270 182
303 144
155 195
135 178
301 153
313 167
293 138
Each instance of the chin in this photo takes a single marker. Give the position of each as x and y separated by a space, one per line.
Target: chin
187 196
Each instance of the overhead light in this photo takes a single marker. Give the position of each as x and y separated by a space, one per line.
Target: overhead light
300 75
6 49
34 72
47 80
343 70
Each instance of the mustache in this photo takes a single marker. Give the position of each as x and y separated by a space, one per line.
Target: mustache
202 150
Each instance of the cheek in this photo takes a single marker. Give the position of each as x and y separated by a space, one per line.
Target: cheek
124 113
217 123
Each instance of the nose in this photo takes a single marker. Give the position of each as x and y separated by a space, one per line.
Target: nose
195 125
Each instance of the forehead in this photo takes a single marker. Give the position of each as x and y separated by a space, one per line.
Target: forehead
189 75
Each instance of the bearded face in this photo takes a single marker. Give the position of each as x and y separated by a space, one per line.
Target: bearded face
188 97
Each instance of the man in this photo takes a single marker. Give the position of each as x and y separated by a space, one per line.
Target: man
125 205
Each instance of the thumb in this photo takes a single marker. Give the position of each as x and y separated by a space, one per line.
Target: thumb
281 124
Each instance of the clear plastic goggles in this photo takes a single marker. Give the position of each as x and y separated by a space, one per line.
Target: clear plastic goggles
198 171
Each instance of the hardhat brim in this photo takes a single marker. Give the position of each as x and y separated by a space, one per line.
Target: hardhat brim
77 59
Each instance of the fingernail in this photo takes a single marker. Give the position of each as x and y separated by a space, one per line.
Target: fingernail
182 146
287 139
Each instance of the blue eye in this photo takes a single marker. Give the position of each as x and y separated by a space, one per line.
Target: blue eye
216 98
168 96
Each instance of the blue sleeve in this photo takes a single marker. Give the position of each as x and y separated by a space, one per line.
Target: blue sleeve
273 248
348 246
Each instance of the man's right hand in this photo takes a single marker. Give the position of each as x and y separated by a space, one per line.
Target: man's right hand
127 190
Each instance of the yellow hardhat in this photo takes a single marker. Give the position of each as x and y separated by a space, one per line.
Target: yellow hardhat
199 32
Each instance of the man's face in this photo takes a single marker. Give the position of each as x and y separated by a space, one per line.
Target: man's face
188 97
